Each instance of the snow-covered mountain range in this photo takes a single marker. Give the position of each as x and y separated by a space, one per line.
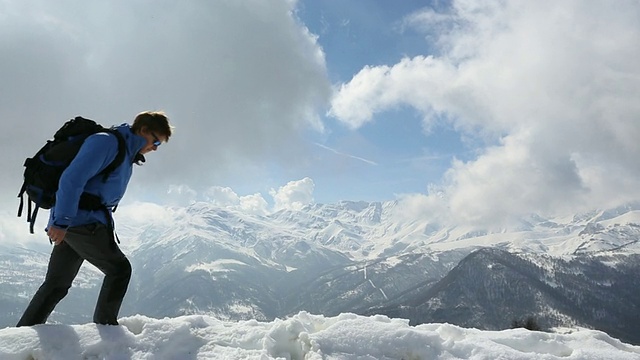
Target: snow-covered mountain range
579 270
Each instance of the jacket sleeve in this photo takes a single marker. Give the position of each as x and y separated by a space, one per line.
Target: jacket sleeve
95 154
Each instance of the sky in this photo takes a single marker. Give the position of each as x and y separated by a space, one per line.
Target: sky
465 111
302 336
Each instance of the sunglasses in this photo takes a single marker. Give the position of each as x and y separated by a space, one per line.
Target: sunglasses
156 141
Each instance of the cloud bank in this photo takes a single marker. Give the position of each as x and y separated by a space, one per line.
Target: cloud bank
550 88
241 81
294 195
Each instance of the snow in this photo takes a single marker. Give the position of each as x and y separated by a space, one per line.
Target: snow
302 336
215 266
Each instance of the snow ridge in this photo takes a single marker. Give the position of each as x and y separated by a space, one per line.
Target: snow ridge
302 336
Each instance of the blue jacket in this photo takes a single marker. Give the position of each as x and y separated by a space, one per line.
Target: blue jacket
82 175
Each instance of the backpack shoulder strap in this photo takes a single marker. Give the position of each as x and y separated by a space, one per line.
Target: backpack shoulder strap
122 151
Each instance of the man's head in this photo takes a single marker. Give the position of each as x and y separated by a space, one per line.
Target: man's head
153 126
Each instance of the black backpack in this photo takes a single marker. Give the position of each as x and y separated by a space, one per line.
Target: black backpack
43 170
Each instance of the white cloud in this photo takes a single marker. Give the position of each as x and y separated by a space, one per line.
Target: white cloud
241 81
294 195
551 87
14 230
226 197
221 195
181 195
254 204
140 214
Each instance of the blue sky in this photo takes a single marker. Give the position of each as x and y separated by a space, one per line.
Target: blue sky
463 111
400 156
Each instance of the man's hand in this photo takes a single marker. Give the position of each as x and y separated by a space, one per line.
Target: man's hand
56 234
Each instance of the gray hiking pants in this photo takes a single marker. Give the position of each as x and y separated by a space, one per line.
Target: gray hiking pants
94 243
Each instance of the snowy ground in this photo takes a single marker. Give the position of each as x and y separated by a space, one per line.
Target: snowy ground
302 336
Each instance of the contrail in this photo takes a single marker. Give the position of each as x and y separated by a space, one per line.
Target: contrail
347 155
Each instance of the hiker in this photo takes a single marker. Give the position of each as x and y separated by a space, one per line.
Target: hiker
80 234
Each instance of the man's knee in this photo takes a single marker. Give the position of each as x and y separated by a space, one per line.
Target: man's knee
60 292
123 269
120 268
